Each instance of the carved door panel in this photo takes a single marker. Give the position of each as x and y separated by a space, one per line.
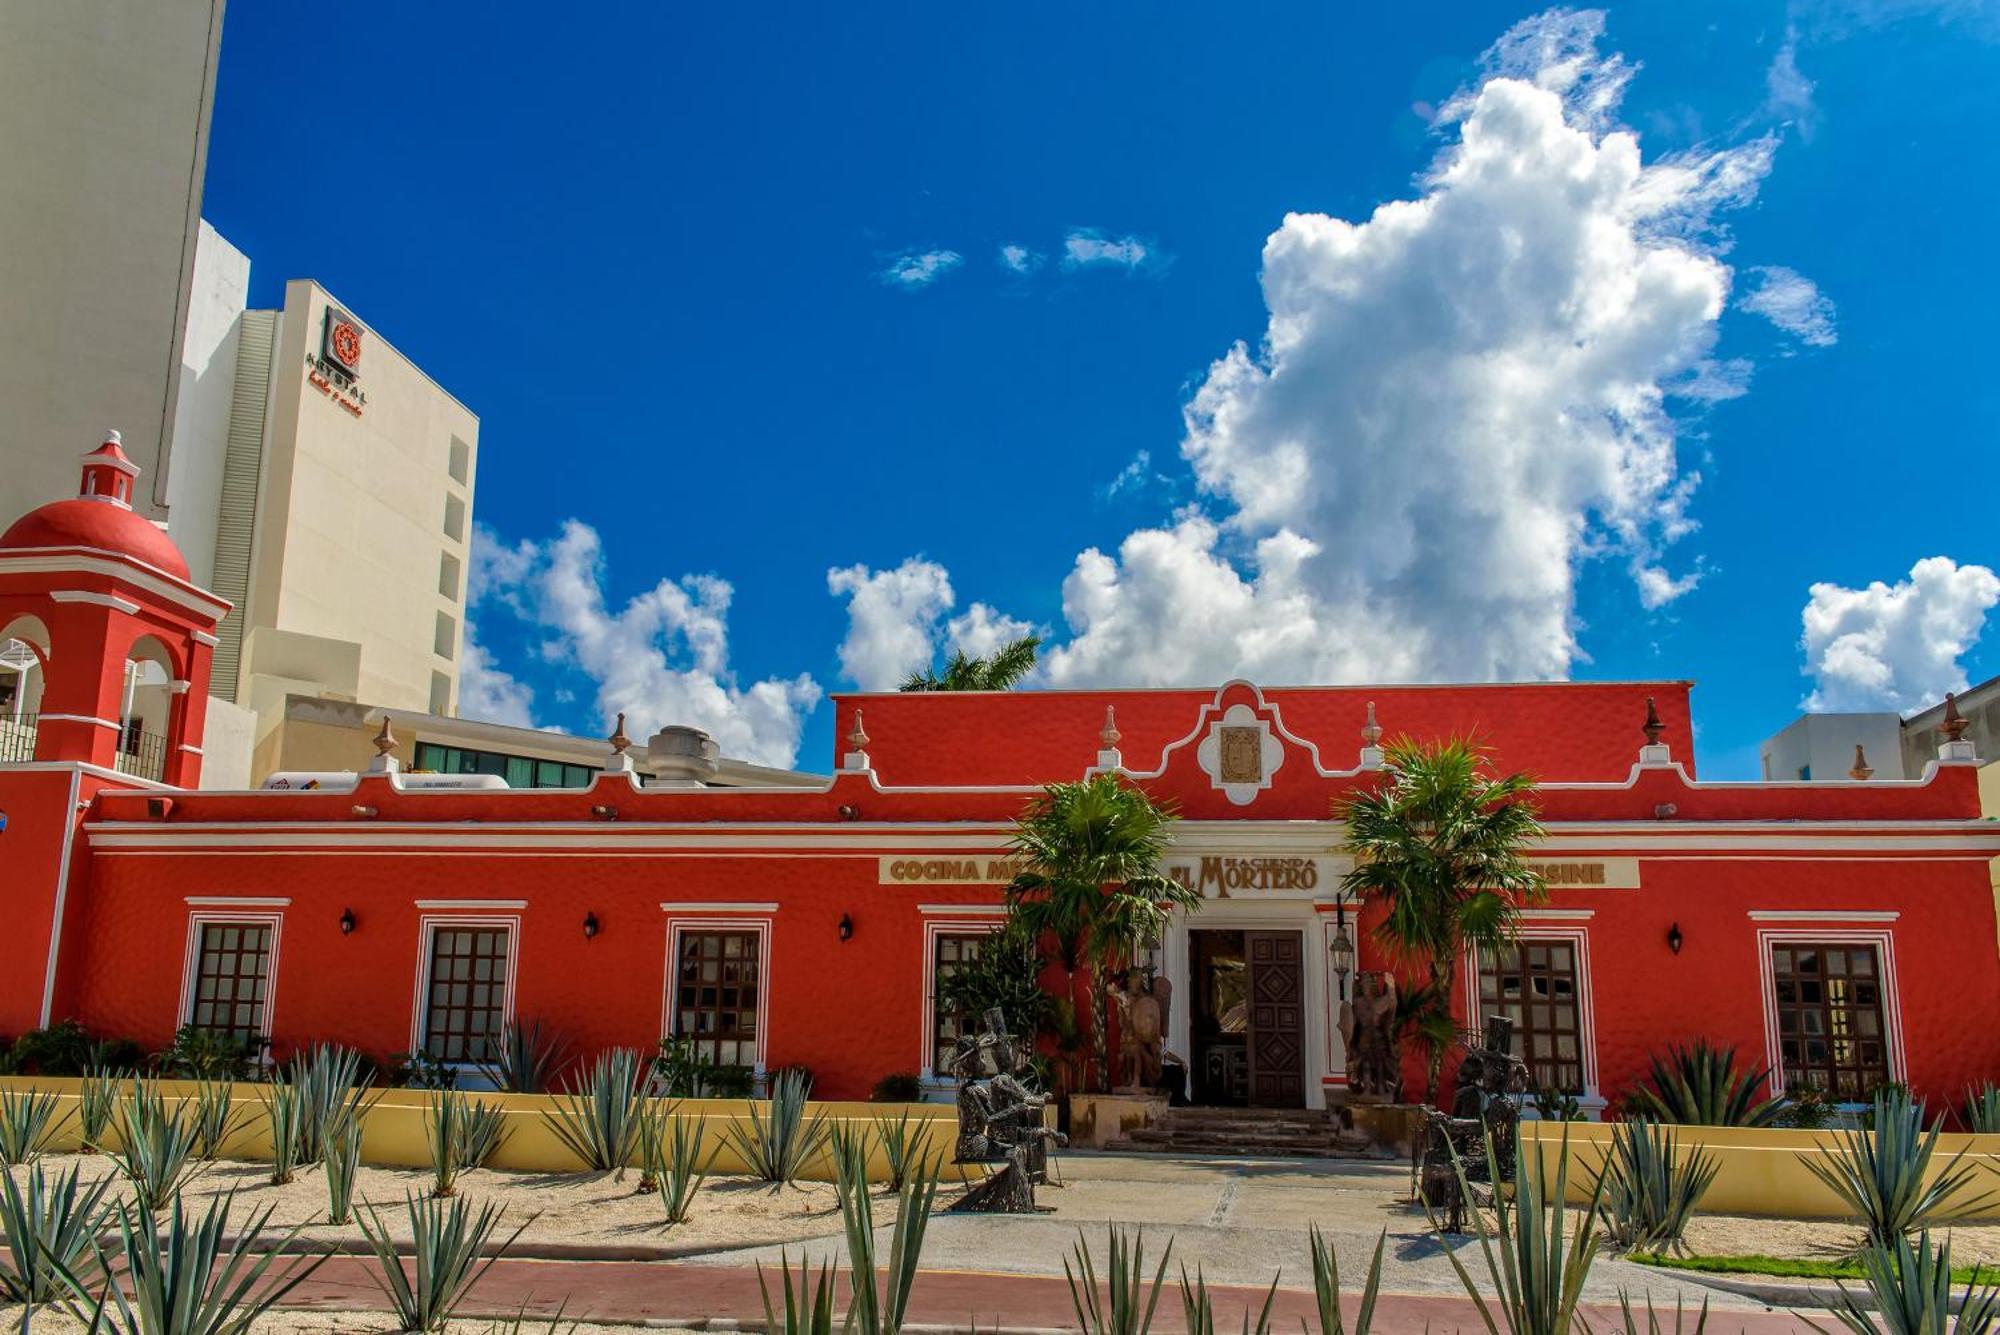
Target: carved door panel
1277 1019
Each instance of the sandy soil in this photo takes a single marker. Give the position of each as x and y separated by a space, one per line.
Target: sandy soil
323 1323
571 1209
1811 1239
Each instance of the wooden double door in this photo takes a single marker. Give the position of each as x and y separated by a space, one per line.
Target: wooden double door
1248 1018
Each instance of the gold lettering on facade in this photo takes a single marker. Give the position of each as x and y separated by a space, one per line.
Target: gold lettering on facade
1241 753
1218 877
1572 873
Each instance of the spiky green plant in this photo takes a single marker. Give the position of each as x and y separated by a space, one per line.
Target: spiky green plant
216 1117
1701 1086
343 1168
599 1120
1326 1286
655 1117
873 1309
777 1147
808 1308
518 1324
97 1106
1127 1307
1537 1268
1629 1320
1982 1107
447 1239
1650 1187
684 1168
156 1149
284 1109
904 1143
183 1280
525 1057
1911 1286
28 1123
1883 1173
442 1126
1198 1307
482 1131
49 1228
328 1078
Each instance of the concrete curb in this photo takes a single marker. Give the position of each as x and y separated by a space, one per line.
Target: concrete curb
278 1244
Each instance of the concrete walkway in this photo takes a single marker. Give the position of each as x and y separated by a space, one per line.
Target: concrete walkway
1242 1221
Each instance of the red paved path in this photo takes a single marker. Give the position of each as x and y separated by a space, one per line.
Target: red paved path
656 1290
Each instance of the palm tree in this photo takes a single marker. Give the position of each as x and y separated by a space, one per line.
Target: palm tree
1441 844
997 671
1090 855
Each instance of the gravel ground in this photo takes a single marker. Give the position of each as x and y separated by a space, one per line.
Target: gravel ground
316 1323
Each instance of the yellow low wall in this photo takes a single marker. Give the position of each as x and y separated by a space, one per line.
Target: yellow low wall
394 1134
1762 1172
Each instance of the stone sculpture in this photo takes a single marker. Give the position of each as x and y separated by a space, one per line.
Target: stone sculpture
1000 1121
1368 1027
1142 1029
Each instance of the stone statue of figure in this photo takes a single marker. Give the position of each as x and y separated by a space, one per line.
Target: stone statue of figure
1372 1057
1000 1121
1142 1028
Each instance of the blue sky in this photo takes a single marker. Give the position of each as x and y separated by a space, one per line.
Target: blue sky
1654 345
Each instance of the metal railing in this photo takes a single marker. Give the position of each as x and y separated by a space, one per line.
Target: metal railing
142 754
17 738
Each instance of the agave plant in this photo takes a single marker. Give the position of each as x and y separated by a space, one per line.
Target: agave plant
216 1117
1537 1268
873 1309
599 1120
186 1281
778 1147
518 1324
525 1057
328 1079
1982 1107
448 1239
343 1167
97 1106
1127 1308
284 1107
156 1150
683 1168
1911 1286
1650 1188
1629 1320
462 1134
1326 1286
903 1145
1701 1086
1198 1307
49 1229
28 1123
1883 1173
808 1307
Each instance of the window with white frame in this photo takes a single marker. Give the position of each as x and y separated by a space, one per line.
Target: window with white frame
1537 983
465 990
951 951
1828 1001
718 978
231 982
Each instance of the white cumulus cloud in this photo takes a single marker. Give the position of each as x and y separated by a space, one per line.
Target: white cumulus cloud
920 268
1087 248
662 658
1895 646
1019 259
488 692
1456 402
1792 302
897 623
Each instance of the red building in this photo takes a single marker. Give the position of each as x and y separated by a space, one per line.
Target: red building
1842 933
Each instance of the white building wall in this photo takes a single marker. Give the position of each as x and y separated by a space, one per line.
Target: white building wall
104 112
1821 747
217 296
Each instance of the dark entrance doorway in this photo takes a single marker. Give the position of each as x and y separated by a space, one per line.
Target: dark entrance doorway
1248 1018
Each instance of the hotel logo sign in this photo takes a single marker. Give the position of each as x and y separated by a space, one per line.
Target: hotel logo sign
335 370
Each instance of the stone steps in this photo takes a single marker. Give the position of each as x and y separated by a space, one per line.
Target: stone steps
1278 1132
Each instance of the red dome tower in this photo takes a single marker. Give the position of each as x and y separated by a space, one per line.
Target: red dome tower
120 636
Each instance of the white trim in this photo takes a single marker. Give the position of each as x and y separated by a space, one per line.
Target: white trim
112 601
115 565
1317 1042
677 927
203 637
1556 914
191 961
716 906
112 724
62 895
191 750
964 910
232 901
1824 915
1586 1006
178 687
427 926
935 927
1884 942
471 903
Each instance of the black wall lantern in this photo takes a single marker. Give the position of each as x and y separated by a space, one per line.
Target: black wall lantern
1674 938
347 922
846 927
589 926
